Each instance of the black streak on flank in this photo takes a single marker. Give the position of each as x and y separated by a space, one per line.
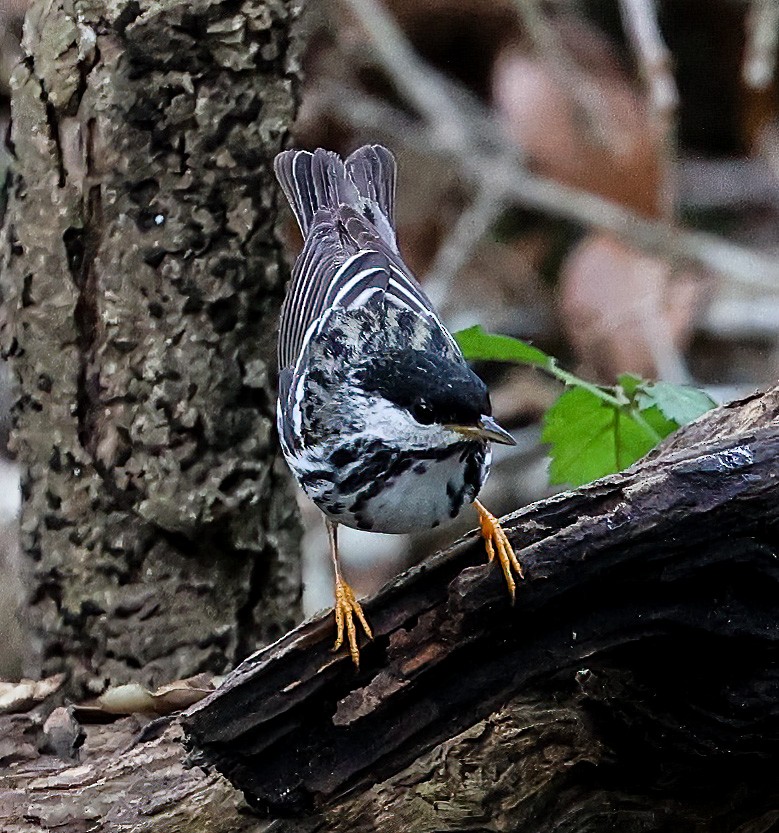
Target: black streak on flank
370 491
472 474
344 455
311 478
375 467
319 377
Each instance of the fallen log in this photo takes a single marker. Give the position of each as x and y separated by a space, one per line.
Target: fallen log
633 687
634 683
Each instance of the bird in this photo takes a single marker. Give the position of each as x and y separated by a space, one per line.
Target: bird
383 423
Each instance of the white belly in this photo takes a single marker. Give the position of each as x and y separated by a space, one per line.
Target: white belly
411 501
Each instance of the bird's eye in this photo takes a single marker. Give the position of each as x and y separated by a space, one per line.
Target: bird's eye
422 412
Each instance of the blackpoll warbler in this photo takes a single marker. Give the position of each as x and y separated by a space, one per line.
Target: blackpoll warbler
381 420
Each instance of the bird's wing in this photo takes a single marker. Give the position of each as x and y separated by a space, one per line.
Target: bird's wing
403 288
327 274
344 263
286 434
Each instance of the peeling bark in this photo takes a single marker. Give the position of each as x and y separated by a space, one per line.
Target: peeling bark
143 277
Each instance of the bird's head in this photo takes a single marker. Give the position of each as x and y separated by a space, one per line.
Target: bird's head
427 399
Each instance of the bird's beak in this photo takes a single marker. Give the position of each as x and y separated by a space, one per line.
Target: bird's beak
485 429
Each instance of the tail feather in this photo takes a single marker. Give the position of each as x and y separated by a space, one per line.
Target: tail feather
366 182
372 169
311 181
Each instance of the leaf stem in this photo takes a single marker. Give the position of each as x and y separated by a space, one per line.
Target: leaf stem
572 380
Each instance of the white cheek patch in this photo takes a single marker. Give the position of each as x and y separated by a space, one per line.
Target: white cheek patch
386 421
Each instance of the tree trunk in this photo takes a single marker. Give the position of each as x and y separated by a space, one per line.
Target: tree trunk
143 276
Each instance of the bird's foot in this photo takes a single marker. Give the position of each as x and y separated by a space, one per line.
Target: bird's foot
346 608
497 545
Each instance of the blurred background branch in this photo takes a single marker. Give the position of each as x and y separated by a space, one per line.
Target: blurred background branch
654 61
458 126
762 38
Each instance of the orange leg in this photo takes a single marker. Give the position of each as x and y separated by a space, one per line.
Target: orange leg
346 605
497 544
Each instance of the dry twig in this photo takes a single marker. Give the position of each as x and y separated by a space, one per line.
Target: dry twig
654 62
471 226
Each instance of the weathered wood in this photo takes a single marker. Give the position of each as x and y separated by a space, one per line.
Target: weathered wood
113 783
143 276
634 682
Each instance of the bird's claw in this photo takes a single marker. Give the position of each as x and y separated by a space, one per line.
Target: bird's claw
497 544
346 608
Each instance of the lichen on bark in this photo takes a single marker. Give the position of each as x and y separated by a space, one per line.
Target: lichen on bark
143 277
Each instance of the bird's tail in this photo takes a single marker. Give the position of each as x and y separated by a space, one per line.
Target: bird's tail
365 182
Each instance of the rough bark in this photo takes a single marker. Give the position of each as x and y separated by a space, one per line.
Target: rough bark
634 684
143 279
114 782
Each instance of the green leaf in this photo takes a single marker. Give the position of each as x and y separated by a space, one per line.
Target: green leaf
630 383
655 417
590 438
680 403
478 345
594 431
